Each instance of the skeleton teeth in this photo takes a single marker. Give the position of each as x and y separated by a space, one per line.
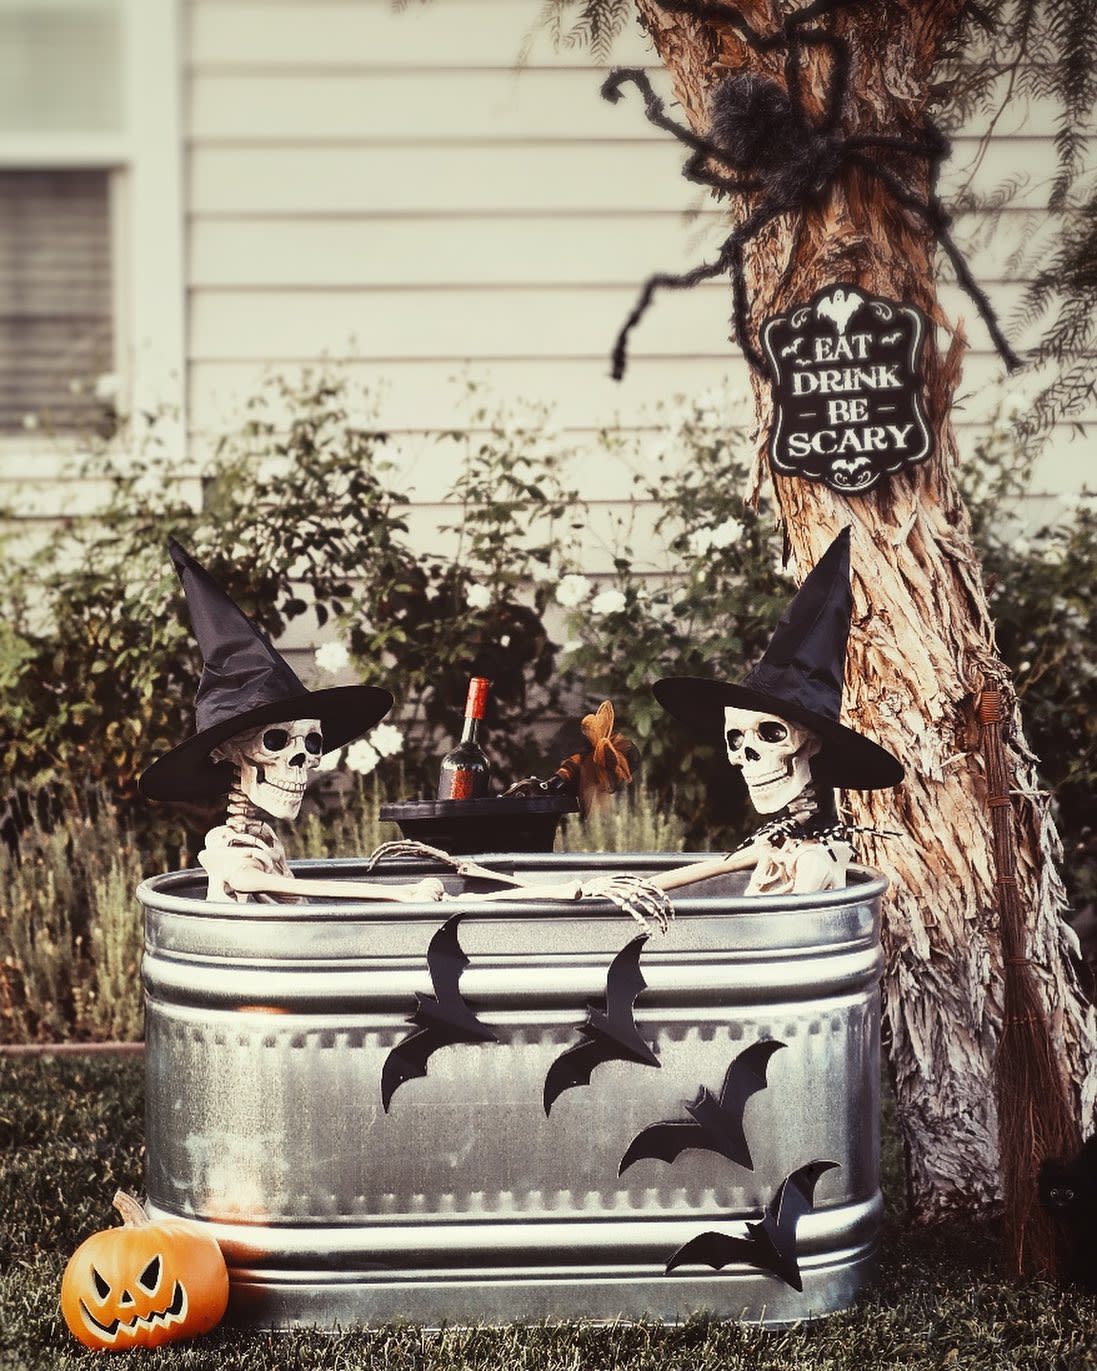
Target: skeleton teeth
772 778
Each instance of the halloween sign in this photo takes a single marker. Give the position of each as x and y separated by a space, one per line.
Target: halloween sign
847 389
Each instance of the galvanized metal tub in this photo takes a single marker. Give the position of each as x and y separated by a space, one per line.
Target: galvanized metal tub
267 1027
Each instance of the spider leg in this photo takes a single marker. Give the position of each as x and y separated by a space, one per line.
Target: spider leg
934 149
749 228
730 260
663 281
654 108
935 215
695 170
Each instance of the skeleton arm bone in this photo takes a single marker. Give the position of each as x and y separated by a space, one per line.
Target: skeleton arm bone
249 879
246 865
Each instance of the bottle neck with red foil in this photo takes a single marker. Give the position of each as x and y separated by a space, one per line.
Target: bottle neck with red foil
474 708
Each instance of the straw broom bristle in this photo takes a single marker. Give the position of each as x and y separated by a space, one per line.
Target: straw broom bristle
1035 1118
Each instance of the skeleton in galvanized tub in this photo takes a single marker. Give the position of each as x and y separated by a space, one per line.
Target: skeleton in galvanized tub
261 736
781 731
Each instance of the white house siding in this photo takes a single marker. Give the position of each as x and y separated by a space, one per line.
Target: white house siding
385 189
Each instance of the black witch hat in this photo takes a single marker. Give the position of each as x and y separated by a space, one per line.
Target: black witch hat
800 678
245 682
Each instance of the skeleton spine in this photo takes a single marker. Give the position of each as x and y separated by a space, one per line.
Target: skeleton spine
243 817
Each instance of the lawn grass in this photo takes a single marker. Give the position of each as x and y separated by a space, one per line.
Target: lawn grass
71 1133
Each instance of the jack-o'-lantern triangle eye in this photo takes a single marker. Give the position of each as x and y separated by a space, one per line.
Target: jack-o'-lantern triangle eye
149 1279
102 1289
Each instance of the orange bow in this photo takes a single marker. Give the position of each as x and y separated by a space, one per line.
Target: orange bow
598 773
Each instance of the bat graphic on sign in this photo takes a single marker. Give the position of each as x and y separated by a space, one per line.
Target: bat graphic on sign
609 1034
715 1125
439 1019
771 1243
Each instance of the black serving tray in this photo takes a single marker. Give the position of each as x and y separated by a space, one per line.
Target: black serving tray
493 823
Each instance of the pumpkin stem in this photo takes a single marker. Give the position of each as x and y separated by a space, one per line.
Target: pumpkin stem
132 1211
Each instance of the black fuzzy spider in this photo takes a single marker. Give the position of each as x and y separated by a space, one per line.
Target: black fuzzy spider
761 134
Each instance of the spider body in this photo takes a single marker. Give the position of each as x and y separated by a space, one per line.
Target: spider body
762 143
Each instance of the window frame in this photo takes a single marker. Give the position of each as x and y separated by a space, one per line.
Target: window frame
144 163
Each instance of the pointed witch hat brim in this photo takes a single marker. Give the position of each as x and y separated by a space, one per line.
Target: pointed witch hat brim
245 683
800 677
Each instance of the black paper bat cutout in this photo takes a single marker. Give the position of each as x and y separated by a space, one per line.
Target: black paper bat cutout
716 1125
439 1019
771 1245
609 1035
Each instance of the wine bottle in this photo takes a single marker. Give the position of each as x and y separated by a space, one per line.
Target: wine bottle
464 773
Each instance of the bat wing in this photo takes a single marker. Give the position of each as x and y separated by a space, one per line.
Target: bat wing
745 1076
409 1058
792 1200
445 961
795 1198
574 1066
664 1142
624 982
718 1250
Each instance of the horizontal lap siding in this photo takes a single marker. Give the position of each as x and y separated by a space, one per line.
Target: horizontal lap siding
384 188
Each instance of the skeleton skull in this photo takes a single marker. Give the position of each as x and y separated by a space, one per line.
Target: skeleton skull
774 754
275 761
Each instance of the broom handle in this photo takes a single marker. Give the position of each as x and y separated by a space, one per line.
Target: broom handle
991 712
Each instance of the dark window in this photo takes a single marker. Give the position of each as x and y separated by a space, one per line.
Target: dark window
56 298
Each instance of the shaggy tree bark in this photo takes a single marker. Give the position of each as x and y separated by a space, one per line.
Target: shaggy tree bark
922 642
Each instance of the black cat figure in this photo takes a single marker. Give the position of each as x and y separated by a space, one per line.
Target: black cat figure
1068 1191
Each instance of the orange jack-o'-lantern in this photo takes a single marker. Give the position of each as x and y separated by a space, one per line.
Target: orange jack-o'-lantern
146 1283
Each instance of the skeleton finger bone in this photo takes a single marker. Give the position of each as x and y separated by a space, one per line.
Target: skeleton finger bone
635 896
408 847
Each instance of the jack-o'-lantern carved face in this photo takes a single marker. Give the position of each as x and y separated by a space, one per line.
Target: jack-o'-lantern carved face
143 1284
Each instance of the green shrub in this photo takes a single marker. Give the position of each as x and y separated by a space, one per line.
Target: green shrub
300 515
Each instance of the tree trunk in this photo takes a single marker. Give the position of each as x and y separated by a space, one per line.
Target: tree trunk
922 642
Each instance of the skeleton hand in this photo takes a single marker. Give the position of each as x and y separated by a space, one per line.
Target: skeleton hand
634 896
407 847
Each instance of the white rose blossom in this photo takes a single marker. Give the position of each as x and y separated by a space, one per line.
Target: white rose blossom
572 591
730 531
387 740
330 760
362 757
700 541
477 596
608 602
331 657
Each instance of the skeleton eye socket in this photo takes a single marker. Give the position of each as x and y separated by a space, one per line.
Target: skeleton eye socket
102 1289
275 739
734 739
772 732
149 1279
314 744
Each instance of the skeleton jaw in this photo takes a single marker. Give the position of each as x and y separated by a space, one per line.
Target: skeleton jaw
763 786
279 799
